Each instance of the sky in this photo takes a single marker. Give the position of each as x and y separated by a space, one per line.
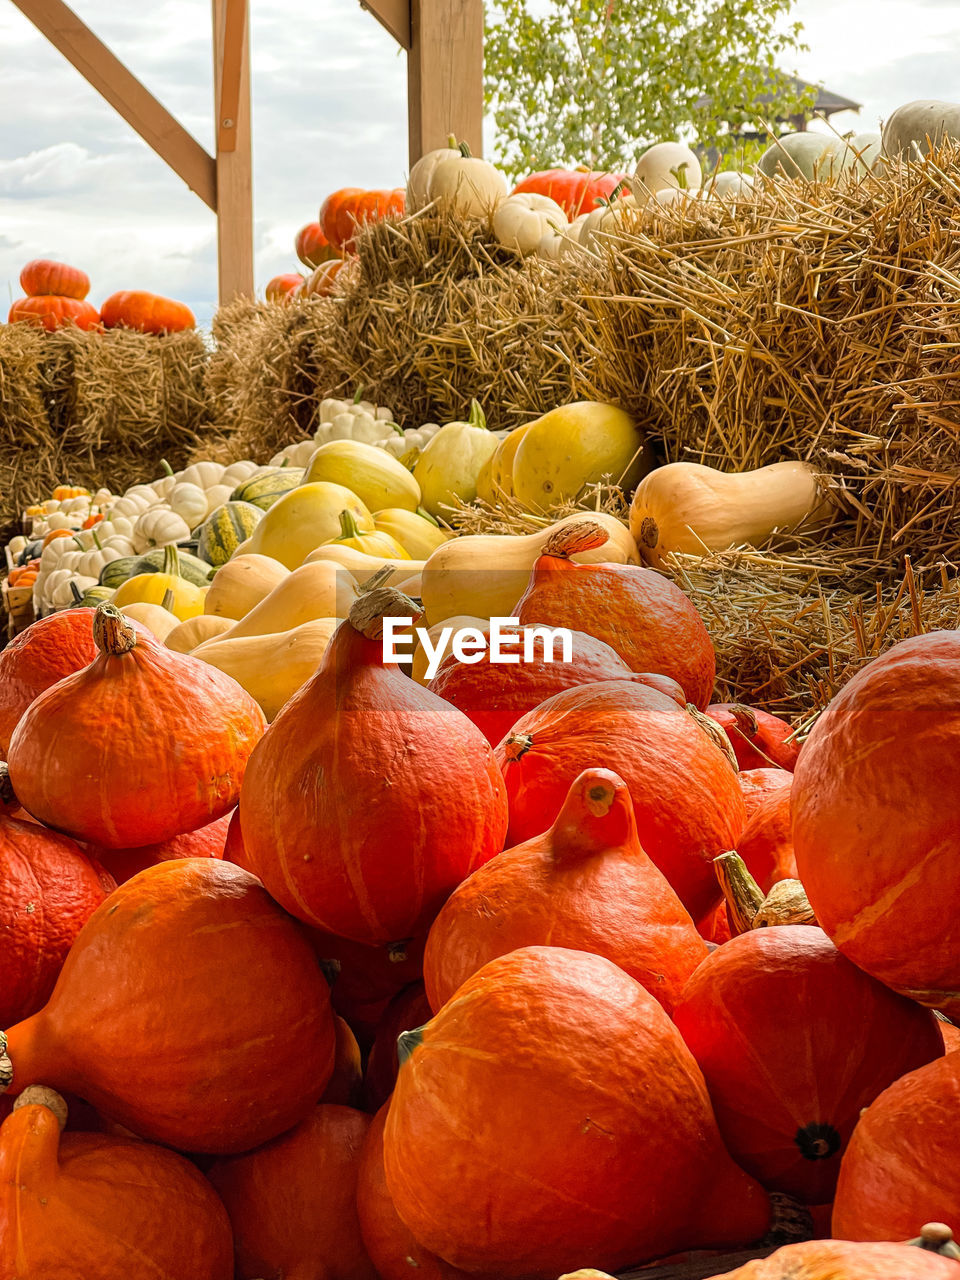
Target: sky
329 110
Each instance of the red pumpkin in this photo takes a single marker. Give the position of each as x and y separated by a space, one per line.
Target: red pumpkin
44 276
205 842
759 740
344 212
320 283
766 845
715 928
554 1069
89 1205
38 657
146 312
838 1260
48 890
280 288
51 312
903 1163
951 1036
576 191
345 1086
114 721
585 884
366 979
494 695
405 1012
312 246
876 819
647 620
190 1009
293 1203
756 784
411 802
794 1041
685 795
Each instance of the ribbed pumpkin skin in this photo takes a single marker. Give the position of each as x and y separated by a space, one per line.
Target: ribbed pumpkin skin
757 784
642 615
903 1163
585 884
84 1204
224 529
48 650
794 1041
838 1260
494 695
411 799
45 276
114 722
263 491
293 1202
876 819
685 794
554 1070
772 746
234 1053
51 312
147 312
48 890
766 845
205 842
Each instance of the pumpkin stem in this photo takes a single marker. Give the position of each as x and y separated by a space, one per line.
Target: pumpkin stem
649 532
171 561
96 541
8 799
477 417
424 514
112 632
745 720
937 1238
397 951
168 601
369 610
407 1041
786 903
715 732
517 746
75 592
6 1066
166 467
348 526
597 815
358 395
580 535
743 895
39 1095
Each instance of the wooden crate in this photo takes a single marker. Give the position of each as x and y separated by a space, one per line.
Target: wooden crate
18 605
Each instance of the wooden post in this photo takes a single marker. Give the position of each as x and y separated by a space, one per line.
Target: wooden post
234 161
445 76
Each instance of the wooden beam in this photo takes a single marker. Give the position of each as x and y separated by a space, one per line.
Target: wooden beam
234 164
141 110
445 75
394 15
231 68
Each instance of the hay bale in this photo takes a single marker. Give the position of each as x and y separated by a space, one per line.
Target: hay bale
29 449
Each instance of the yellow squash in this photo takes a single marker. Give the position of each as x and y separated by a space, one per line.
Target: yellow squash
363 566
495 482
372 543
485 575
374 475
154 617
187 600
689 508
271 667
186 636
418 535
573 447
240 585
451 462
303 520
319 590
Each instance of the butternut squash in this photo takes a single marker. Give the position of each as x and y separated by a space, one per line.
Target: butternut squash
153 616
420 659
690 508
360 565
186 636
240 585
271 667
485 575
320 590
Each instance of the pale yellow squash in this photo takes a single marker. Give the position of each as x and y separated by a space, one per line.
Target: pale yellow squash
485 575
240 585
573 447
374 475
418 537
186 636
186 599
271 667
363 566
409 586
495 482
369 542
451 462
689 508
420 658
154 617
320 590
303 520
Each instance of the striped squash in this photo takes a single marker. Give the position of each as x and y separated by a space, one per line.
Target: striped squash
96 595
224 529
117 572
263 490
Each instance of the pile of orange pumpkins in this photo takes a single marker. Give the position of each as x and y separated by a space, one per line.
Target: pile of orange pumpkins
56 295
439 981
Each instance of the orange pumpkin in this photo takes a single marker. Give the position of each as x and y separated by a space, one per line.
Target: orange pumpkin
876 819
838 1260
585 884
44 276
114 721
756 784
405 1012
685 794
48 650
794 1041
760 740
146 312
280 288
320 283
50 312
639 613
345 1086
766 845
554 1069
346 211
312 246
576 191
293 1202
205 842
190 1010
366 979
63 491
90 1205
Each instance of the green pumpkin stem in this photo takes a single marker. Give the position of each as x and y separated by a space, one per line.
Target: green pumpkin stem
742 894
166 467
113 634
407 1041
349 527
424 514
76 592
96 541
168 601
477 417
171 561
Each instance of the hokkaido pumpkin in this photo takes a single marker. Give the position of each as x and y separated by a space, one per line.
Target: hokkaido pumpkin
644 617
44 276
101 1207
293 1203
48 650
312 246
759 740
794 1041
51 312
49 887
411 799
836 1259
283 287
422 662
367 978
903 1163
585 884
766 844
146 312
345 1086
408 1010
114 721
554 1069
876 819
757 784
221 1068
495 694
686 800
205 842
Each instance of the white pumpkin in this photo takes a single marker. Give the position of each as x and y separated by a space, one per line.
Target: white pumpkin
817 157
905 134
203 474
295 455
731 185
190 502
463 183
523 220
864 153
165 486
671 198
60 520
121 526
64 594
237 472
601 225
421 175
127 506
145 492
159 527
123 546
666 164
217 496
91 562
563 242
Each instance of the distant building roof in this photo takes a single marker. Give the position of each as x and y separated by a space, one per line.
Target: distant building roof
826 103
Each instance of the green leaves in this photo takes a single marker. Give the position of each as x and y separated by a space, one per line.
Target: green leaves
597 81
